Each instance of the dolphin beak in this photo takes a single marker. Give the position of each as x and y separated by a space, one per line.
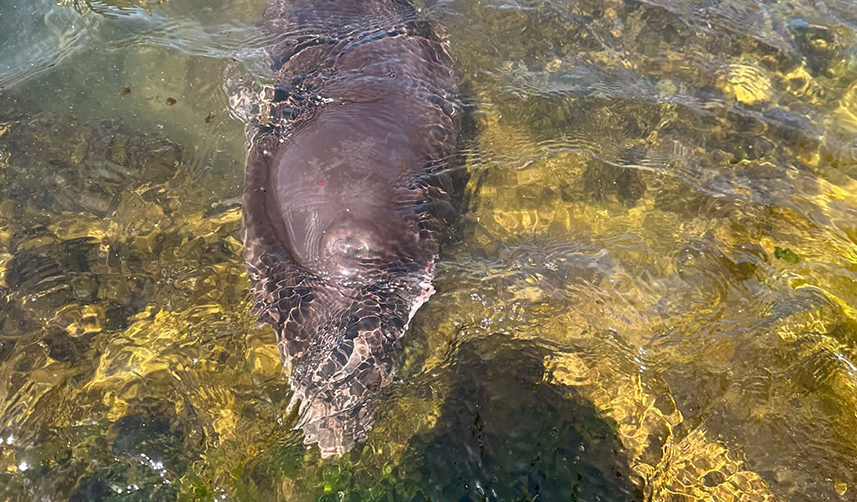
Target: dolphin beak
343 366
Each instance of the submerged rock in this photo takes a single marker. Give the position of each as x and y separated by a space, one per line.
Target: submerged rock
59 164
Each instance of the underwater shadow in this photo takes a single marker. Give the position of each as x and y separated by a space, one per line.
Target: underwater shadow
506 434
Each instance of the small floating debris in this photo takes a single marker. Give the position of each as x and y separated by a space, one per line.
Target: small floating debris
126 90
171 101
210 117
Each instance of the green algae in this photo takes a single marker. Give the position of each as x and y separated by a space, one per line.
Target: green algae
787 255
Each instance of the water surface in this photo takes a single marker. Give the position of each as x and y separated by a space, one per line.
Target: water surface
674 319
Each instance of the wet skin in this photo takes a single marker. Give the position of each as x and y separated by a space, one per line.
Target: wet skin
345 174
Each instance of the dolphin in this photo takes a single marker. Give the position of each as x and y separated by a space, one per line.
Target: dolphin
347 175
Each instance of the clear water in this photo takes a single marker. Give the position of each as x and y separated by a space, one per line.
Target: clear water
674 321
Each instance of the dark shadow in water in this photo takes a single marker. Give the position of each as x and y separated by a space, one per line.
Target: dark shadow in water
506 434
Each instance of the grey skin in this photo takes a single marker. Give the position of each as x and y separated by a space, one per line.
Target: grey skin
347 167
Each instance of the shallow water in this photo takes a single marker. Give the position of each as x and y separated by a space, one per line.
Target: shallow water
674 319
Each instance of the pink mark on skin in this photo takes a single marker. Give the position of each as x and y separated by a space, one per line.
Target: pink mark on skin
425 293
321 183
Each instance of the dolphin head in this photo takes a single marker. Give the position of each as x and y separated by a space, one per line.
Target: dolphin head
340 241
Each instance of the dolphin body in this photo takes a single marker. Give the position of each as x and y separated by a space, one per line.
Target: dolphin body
347 165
